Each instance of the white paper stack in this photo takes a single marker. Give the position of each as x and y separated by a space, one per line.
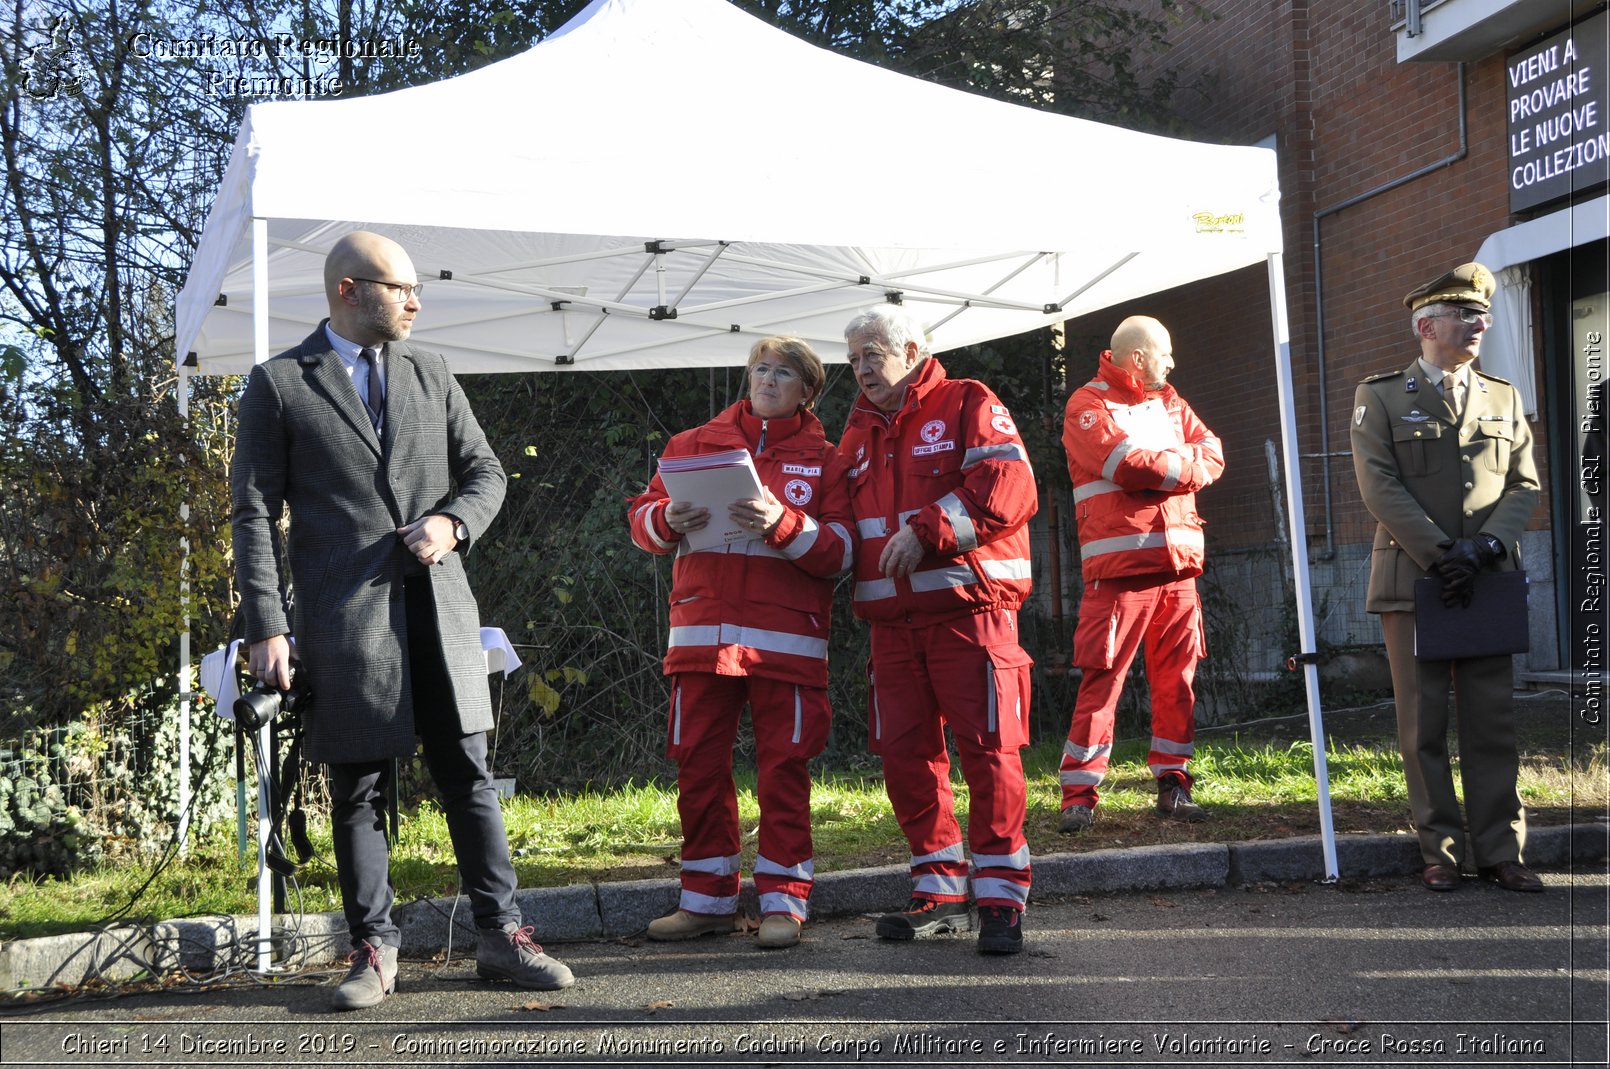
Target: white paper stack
712 481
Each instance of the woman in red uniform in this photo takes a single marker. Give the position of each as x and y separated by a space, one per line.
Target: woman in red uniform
749 624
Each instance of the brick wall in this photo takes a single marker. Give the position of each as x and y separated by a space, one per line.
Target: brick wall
1323 77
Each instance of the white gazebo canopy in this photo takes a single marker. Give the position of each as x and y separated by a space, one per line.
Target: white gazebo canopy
661 182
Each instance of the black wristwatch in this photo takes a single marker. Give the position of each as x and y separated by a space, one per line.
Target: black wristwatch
1494 547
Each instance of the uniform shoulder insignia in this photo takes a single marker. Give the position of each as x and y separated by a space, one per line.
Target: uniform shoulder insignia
1492 378
1384 375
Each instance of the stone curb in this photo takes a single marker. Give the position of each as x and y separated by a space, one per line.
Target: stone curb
612 910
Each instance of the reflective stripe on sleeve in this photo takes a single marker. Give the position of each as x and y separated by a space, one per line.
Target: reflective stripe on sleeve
848 543
1085 491
646 514
1001 451
802 542
1119 452
960 522
1172 478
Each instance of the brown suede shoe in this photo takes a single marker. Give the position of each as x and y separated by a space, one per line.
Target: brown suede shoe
1512 876
1440 877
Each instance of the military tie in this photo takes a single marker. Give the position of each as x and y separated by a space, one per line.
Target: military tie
1453 392
376 399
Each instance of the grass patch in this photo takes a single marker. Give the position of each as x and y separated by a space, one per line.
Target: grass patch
1257 783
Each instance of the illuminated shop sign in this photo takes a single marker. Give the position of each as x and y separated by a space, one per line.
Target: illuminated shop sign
1559 115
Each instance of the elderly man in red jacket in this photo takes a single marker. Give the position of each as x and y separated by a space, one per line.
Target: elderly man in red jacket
1137 455
942 491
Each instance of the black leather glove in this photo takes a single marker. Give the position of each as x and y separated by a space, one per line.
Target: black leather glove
1462 558
1459 593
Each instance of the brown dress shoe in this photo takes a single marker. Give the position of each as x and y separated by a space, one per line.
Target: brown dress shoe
1440 877
1512 876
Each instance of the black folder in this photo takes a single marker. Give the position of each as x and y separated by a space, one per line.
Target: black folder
1494 622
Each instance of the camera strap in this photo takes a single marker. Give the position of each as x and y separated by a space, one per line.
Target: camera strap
291 788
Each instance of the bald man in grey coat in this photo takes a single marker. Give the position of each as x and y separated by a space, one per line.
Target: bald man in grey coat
372 446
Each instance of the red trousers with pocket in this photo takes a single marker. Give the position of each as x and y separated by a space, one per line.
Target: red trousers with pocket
971 673
791 725
1115 618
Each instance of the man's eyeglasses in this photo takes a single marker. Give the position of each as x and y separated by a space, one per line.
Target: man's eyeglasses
1466 316
396 291
782 376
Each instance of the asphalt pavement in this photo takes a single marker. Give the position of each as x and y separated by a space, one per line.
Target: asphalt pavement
1373 970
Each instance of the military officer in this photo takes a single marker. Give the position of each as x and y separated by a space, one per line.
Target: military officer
1443 455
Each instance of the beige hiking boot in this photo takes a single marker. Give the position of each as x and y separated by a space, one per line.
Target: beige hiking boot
778 930
684 925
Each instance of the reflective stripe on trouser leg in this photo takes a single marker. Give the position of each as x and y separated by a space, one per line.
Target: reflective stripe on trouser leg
703 872
995 815
1112 619
784 888
1174 644
1170 758
941 874
916 768
707 799
791 726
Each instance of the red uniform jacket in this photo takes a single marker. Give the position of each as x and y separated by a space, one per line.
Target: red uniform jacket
758 607
1137 460
950 463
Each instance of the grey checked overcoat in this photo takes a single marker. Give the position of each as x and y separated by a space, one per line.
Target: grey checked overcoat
305 443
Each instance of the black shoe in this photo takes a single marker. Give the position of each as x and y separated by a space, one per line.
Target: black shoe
924 917
1000 930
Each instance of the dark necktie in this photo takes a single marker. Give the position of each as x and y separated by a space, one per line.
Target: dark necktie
376 400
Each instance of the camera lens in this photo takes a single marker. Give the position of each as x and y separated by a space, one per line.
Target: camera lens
257 707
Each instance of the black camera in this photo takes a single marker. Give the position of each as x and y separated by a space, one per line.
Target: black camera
265 703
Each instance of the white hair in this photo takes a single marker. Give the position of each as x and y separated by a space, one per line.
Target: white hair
892 325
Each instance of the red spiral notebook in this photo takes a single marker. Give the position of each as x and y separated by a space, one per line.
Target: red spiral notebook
1493 623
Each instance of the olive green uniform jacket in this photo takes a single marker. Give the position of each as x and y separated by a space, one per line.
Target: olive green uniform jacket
1427 478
